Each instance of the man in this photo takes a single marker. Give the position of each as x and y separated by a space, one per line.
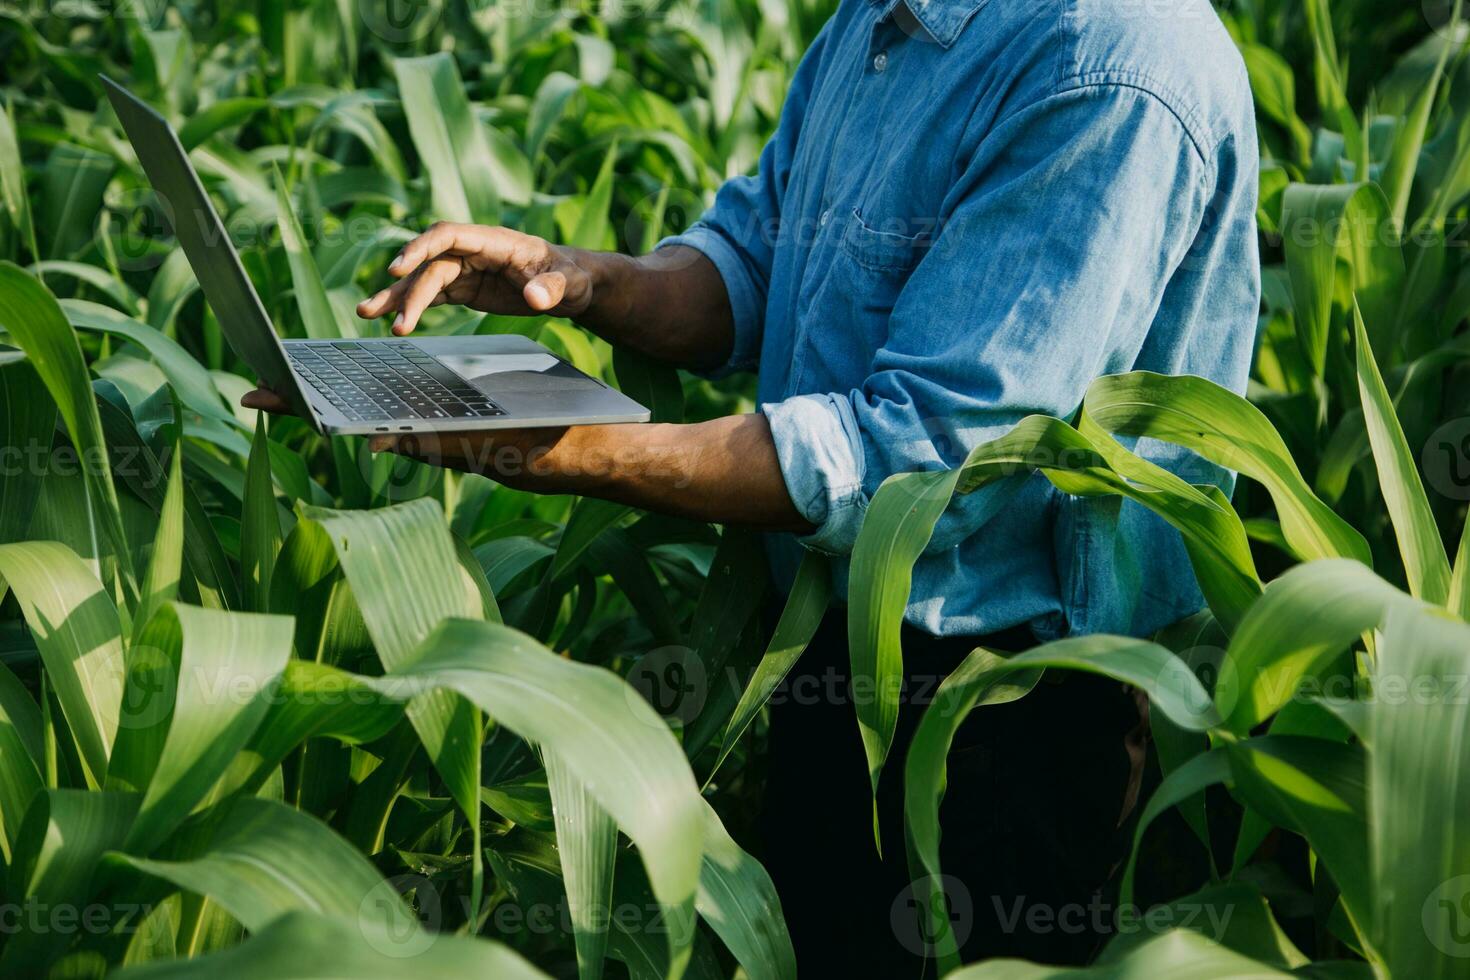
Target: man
969 211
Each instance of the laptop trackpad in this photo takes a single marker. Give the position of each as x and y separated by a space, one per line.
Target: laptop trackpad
493 373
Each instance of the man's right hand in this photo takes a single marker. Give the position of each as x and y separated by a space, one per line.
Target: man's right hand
670 304
495 270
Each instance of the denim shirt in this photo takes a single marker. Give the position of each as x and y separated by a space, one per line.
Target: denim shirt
969 211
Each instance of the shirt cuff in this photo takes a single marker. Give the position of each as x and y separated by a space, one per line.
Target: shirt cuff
746 299
820 450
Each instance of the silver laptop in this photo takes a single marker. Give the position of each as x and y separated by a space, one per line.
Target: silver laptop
369 385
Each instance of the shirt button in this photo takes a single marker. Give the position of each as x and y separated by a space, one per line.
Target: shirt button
880 62
827 214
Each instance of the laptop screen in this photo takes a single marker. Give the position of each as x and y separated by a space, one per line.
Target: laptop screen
204 240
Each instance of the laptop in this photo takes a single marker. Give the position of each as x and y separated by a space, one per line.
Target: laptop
362 386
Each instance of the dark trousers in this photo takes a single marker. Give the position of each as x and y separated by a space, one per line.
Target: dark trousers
1030 817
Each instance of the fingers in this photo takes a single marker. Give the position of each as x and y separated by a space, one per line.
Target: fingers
422 289
266 400
495 245
383 300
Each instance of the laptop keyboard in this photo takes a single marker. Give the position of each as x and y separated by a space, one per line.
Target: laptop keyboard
387 380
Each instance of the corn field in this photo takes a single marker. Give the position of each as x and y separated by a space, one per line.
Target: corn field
272 705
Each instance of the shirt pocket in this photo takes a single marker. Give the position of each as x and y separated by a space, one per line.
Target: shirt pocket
884 248
844 316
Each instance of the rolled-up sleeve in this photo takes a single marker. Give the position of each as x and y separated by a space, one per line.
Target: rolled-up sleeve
1053 253
740 231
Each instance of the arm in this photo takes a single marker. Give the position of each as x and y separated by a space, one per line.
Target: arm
1057 243
724 470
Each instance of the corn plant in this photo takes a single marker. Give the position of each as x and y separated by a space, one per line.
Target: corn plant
273 705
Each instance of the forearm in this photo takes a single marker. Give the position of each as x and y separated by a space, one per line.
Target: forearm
723 471
670 304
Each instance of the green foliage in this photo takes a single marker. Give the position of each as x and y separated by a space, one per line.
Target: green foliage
358 715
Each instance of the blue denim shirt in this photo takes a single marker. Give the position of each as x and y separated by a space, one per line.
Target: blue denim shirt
969 211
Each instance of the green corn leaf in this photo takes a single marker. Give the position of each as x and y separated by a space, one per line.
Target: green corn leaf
1185 783
1274 87
1230 431
1331 79
615 553
195 387
27 428
1459 601
213 577
12 180
590 517
165 565
99 279
985 678
449 139
898 525
1316 788
718 638
72 185
61 843
1177 953
260 523
228 667
1304 618
1234 914
33 318
22 751
1403 161
318 316
221 114
651 384
599 727
1349 223
1418 796
586 839
313 700
404 571
303 945
555 91
260 859
1423 552
738 900
593 229
901 518
811 593
80 638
